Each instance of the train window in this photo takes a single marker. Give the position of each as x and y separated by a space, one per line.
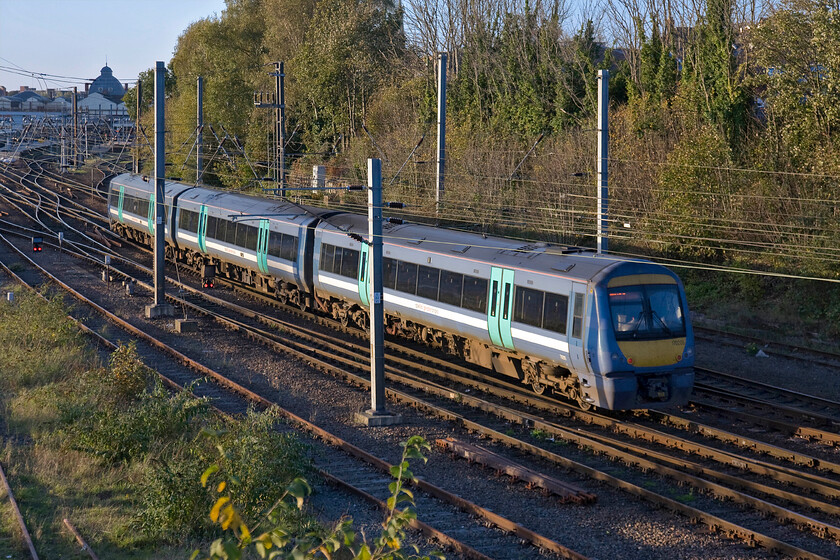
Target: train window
506 302
250 241
389 273
335 266
555 310
349 263
327 257
494 299
528 306
212 224
230 233
221 229
406 277
289 248
275 243
450 287
143 207
577 320
189 221
648 311
428 279
475 294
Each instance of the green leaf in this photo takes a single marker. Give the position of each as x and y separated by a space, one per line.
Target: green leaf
364 553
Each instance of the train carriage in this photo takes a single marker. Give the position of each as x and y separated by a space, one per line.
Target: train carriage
605 331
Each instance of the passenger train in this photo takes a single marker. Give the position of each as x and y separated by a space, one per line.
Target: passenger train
604 331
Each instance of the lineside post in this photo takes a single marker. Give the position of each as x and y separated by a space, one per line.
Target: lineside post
160 307
377 415
441 133
137 128
199 156
603 158
75 128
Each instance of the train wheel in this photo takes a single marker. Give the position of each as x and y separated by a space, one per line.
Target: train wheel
585 405
538 387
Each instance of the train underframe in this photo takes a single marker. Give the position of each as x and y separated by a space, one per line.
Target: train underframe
538 374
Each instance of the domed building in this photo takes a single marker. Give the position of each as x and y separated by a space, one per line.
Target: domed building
107 85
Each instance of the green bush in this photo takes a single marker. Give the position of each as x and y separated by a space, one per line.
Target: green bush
261 463
125 433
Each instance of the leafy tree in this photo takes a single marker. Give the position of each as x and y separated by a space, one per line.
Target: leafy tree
147 81
347 55
798 78
711 79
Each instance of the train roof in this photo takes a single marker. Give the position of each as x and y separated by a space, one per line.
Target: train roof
145 183
555 260
546 258
237 203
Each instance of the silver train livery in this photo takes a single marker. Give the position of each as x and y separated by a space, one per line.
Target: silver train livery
604 331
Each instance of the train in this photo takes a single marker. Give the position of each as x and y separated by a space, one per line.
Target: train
605 331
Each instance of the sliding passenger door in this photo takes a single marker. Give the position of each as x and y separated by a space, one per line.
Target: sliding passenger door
500 307
262 246
150 214
576 319
364 275
120 203
202 228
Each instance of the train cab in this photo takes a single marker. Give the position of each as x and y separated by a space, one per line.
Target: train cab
642 351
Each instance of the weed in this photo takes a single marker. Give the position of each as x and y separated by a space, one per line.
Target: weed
541 435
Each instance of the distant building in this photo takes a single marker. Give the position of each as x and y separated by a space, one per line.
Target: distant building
100 105
59 104
28 100
107 85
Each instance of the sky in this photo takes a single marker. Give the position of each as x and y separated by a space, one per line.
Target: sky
74 38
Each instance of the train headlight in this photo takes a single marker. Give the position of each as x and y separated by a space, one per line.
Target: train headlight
615 357
689 352
630 360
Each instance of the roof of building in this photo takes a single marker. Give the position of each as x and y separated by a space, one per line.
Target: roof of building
26 95
107 85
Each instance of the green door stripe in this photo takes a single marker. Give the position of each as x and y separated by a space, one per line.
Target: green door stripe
364 277
493 305
500 307
262 246
120 203
202 229
151 214
506 307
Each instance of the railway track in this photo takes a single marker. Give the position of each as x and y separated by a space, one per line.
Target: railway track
550 428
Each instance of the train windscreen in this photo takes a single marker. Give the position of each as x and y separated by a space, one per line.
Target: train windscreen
649 311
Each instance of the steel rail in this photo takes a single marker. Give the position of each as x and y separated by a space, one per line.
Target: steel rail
21 523
782 391
787 427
